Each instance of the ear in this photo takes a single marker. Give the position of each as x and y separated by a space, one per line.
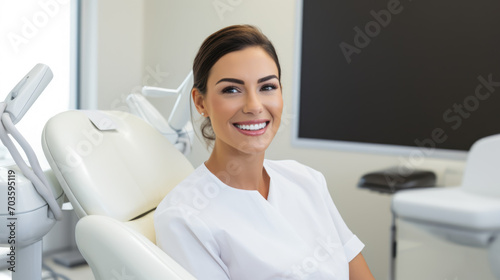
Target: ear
199 101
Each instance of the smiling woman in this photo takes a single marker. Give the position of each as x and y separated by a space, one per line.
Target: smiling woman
239 215
236 105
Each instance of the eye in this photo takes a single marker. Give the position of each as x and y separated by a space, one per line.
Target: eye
230 89
268 87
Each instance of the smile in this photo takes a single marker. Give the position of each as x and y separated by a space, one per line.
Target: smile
252 127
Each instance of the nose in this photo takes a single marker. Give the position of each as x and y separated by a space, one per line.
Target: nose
253 103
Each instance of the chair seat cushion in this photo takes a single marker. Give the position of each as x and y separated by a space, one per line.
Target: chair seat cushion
453 207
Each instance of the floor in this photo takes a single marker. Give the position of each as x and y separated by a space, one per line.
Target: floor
81 272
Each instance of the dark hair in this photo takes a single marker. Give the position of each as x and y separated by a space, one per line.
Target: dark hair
227 40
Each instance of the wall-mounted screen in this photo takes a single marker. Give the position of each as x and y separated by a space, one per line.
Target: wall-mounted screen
389 75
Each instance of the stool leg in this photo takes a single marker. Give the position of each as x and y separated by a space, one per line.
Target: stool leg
392 264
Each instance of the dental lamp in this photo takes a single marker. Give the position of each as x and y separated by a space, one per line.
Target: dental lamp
30 203
178 129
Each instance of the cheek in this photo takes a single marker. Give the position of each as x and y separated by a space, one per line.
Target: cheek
276 106
222 107
221 111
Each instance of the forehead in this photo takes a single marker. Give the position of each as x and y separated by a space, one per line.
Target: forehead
249 63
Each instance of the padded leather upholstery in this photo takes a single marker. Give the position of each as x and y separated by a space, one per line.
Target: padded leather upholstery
114 180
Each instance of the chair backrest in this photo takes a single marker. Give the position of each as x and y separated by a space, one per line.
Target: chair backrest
482 168
115 169
122 170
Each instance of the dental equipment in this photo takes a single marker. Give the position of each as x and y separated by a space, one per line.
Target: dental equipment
466 215
32 201
178 129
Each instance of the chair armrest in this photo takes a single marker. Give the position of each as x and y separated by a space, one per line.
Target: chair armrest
115 251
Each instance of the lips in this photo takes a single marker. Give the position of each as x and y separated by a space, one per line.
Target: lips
252 128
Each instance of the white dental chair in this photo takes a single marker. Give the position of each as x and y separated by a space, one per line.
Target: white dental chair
115 169
468 214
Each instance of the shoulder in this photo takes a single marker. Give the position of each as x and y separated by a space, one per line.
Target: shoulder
183 196
294 170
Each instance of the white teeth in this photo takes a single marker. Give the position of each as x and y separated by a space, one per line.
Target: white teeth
252 126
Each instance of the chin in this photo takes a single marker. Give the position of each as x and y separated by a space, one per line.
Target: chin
252 148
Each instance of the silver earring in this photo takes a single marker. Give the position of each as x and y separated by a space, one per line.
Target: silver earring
202 114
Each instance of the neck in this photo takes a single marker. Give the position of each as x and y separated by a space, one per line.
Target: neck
239 170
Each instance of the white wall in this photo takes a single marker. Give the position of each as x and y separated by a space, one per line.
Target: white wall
111 52
173 30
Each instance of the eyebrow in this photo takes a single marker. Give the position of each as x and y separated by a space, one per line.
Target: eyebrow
231 80
266 78
241 82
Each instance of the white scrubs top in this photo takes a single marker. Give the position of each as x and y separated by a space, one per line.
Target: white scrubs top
219 232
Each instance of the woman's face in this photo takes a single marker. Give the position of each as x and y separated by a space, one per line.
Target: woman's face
243 100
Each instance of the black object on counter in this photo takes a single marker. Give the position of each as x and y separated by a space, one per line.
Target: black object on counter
394 179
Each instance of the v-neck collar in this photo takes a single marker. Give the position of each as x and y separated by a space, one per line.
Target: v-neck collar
252 192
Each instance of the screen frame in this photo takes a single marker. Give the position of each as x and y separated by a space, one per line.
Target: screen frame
411 152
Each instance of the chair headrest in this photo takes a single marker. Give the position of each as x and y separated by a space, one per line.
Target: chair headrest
481 170
120 172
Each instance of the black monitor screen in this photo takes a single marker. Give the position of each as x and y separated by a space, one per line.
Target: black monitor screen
400 72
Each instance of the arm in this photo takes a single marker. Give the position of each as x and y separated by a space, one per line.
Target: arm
359 270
